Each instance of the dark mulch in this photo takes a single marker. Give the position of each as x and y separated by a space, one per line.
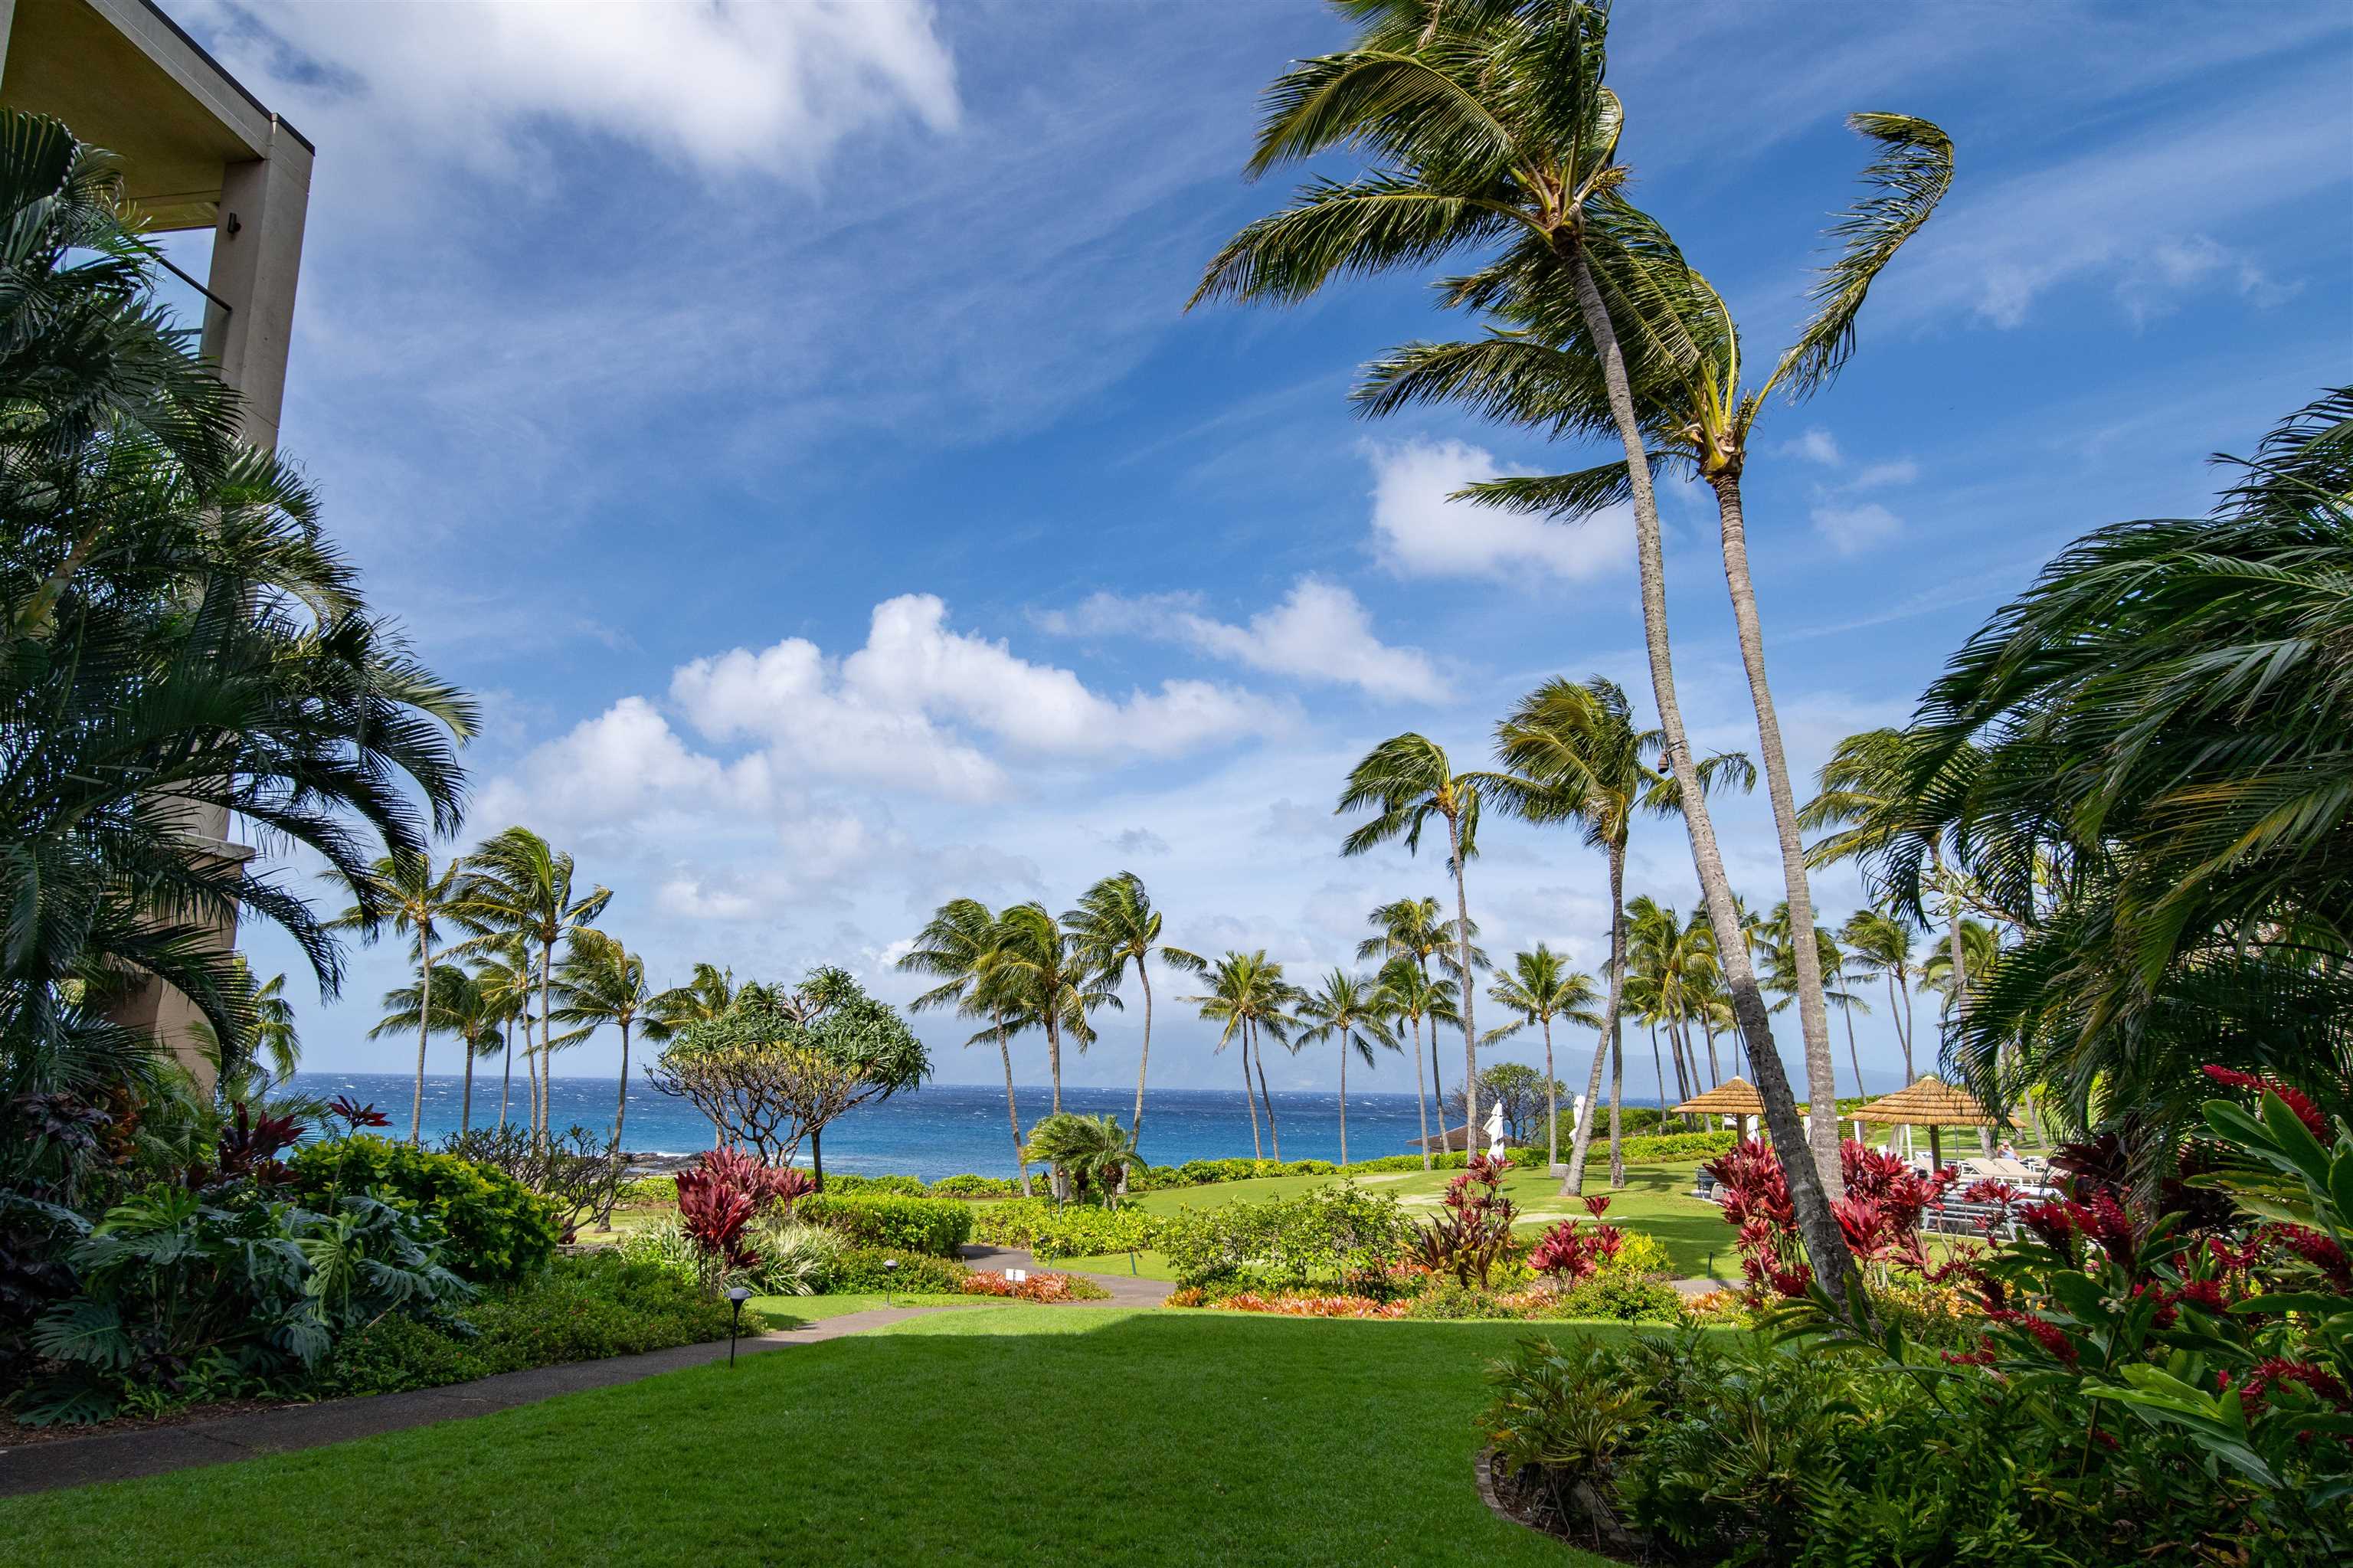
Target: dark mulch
1523 1497
13 1436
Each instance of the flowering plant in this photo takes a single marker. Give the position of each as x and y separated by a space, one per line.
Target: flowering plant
1474 1230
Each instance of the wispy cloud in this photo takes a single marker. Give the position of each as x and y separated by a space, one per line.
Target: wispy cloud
1419 530
1319 632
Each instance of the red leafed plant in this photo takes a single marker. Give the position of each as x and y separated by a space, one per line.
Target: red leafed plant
763 1184
714 1216
1474 1229
1570 1253
356 1116
250 1145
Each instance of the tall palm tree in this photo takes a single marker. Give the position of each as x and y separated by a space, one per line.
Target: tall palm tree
517 884
1412 929
1698 419
1407 782
1784 979
1040 976
1409 992
1540 988
1349 1009
270 1032
502 971
461 1006
603 983
1489 126
955 947
1572 754
1247 997
1116 925
1881 945
411 897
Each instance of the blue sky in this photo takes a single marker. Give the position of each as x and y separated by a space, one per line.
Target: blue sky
787 419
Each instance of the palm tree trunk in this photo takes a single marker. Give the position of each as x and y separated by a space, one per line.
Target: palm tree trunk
506 1071
546 1032
1012 1111
1903 1033
1552 1104
1659 1067
1715 1071
1617 1102
1344 1096
621 1107
424 1026
466 1100
1811 1188
1470 1030
1854 1055
1607 1046
1421 1101
1143 1057
1054 1058
1257 1150
1273 1136
1814 1018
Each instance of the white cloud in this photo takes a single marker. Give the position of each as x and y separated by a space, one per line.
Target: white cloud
1817 445
2158 281
765 87
1419 531
1851 530
1320 632
1900 470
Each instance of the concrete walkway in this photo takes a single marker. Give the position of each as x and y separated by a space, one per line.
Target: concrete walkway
1126 1289
150 1451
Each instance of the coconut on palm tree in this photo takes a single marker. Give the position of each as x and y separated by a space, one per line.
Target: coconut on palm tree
408 894
955 947
1539 988
1116 925
1407 782
516 884
1351 1009
1489 127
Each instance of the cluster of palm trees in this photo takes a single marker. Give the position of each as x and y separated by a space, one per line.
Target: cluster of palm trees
484 930
1487 128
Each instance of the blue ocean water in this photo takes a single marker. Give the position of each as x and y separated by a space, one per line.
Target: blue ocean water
938 1130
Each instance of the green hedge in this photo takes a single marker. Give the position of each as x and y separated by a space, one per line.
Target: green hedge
1073 1231
969 1186
860 1269
847 1184
933 1226
578 1308
1340 1233
499 1229
1673 1145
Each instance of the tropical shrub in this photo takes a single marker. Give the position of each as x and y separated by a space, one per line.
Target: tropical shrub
859 1268
1342 1233
1054 1231
648 1191
970 1186
579 1172
714 1214
1297 1303
186 1296
1472 1229
1041 1285
794 1258
847 1184
665 1247
934 1225
582 1308
1621 1294
1677 1146
497 1228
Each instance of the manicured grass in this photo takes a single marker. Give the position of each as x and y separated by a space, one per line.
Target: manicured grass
1069 1435
1656 1199
784 1311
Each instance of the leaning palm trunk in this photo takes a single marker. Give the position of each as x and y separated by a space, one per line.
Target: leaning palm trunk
1854 1055
1250 1100
1143 1056
1273 1137
1470 1029
1617 1102
621 1106
1810 1195
1012 1111
1552 1104
424 1022
1420 1095
506 1076
1607 1046
1813 1019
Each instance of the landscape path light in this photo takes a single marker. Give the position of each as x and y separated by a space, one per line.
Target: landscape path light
889 1273
735 1299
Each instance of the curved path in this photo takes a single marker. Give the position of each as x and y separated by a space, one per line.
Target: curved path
1126 1291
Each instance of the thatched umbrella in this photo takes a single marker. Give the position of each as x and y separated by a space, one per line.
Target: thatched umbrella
1931 1103
1734 1097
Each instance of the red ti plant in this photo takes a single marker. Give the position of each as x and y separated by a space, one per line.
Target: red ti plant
1474 1228
763 1184
1570 1253
356 1116
1756 1203
248 1146
714 1216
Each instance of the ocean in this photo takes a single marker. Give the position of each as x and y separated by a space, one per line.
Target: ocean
941 1129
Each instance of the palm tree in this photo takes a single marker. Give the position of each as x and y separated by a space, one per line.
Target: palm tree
1039 975
1698 420
461 1006
1247 997
270 1032
603 983
1094 1151
1541 988
1407 993
1784 980
1407 782
407 892
955 947
1979 947
1881 945
1572 754
1351 1009
1411 928
501 973
517 884
1116 925
1490 126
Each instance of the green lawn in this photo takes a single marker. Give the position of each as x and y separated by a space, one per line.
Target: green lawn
1656 1199
1072 1435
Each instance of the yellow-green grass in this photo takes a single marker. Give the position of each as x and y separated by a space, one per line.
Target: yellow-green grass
1070 1436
